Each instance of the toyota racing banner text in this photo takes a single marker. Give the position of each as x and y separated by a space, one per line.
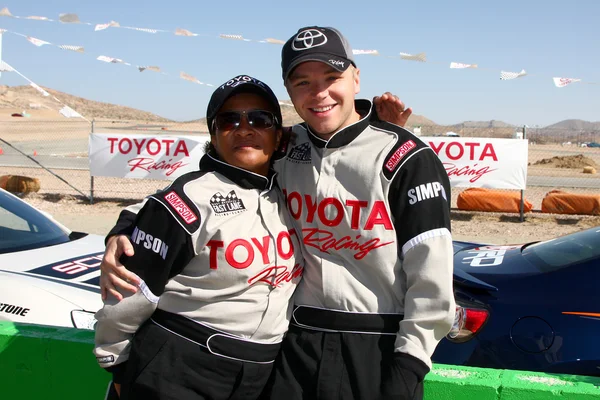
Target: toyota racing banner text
144 156
482 162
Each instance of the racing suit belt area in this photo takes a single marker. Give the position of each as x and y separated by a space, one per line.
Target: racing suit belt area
216 342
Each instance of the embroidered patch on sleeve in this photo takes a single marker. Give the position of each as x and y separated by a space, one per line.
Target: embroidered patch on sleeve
393 161
180 207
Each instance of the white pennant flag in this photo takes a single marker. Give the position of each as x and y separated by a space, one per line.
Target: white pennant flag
562 82
78 49
274 41
109 59
101 27
37 42
372 52
69 112
5 13
4 67
69 19
39 89
38 18
461 65
184 32
141 29
512 75
149 68
188 77
421 57
234 37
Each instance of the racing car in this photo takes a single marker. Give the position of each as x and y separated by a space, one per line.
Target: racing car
533 307
49 275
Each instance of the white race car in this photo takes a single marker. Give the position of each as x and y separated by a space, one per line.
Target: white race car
48 274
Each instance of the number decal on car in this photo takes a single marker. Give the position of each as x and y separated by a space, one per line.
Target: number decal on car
72 268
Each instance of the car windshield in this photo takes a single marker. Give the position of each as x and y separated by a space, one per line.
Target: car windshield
564 251
22 227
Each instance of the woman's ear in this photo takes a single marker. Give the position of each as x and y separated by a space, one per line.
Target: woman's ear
278 137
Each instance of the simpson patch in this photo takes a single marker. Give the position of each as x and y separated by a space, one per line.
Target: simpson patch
180 207
393 161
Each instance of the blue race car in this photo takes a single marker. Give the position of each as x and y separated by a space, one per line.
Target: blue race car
533 307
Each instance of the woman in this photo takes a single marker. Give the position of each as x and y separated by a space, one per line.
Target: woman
218 261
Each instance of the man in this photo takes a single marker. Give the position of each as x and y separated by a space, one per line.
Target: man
373 203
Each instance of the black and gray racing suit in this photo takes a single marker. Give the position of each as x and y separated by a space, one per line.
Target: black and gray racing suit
373 203
219 260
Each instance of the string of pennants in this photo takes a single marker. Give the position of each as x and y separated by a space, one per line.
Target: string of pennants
66 111
80 49
70 18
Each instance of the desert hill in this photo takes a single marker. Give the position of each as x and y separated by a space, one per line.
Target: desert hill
483 124
28 99
575 125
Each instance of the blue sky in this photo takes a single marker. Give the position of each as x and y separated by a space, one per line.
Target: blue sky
547 39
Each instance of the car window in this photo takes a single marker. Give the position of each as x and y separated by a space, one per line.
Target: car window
24 228
565 251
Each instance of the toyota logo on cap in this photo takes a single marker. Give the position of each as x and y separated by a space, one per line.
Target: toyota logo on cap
308 39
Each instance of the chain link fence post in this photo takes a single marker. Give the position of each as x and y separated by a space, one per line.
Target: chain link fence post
91 177
522 206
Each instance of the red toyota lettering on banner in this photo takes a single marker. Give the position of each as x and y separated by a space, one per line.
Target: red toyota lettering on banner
149 146
152 147
246 253
149 164
456 150
470 150
467 170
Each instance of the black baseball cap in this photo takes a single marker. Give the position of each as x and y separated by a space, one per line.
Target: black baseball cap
240 84
315 43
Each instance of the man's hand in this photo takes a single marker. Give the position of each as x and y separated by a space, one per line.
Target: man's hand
391 109
113 273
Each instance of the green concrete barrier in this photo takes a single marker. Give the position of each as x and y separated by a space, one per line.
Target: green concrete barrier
447 382
42 362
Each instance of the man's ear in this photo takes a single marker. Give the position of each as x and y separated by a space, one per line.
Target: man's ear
356 76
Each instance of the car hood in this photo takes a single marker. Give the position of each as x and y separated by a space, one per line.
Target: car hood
26 260
68 270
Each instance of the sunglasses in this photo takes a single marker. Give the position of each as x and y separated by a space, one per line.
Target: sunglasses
258 119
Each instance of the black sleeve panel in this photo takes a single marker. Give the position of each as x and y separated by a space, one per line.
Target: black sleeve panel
162 248
420 196
124 225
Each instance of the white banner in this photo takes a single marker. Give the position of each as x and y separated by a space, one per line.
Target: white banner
483 162
469 162
160 156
